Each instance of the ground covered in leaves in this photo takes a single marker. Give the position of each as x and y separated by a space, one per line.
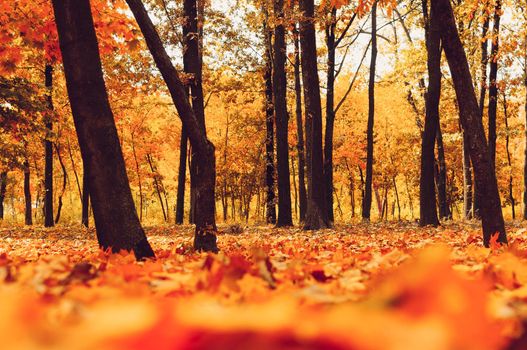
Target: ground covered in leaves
357 287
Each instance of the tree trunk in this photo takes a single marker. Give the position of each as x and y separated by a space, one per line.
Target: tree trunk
48 170
300 129
330 114
182 178
316 216
492 216
118 227
366 203
203 159
444 209
493 88
270 201
467 181
27 193
427 194
85 217
3 188
280 109
157 185
509 160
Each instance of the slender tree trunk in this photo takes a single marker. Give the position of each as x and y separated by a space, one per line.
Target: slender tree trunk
427 194
330 114
27 194
366 203
295 188
444 209
157 185
397 197
281 116
485 177
85 215
270 202
48 170
3 188
64 183
182 178
118 227
467 181
300 129
509 159
316 216
493 88
203 159
139 181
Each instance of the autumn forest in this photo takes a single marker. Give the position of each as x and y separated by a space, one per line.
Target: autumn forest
269 174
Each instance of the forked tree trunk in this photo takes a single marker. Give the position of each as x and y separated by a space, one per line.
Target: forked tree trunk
203 159
118 227
366 202
427 193
492 216
48 169
316 216
285 217
182 178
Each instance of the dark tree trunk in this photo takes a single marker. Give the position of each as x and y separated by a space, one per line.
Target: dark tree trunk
330 115
280 109
118 227
366 202
203 159
493 88
492 216
427 194
27 194
300 129
444 209
157 185
509 160
48 169
85 217
182 178
468 187
270 201
316 216
3 188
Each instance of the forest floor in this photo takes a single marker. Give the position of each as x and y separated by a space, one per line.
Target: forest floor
381 286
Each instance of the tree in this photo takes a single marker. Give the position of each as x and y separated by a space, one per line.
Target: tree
493 88
281 117
316 216
485 177
427 193
270 205
366 201
48 172
204 158
116 220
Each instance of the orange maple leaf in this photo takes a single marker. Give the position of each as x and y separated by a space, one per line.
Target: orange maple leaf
494 244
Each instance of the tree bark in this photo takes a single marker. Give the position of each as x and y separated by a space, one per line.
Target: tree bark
204 158
493 88
116 221
427 193
3 188
27 194
330 114
509 159
366 203
270 201
300 129
85 215
492 216
316 216
285 217
48 169
64 184
182 178
442 198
